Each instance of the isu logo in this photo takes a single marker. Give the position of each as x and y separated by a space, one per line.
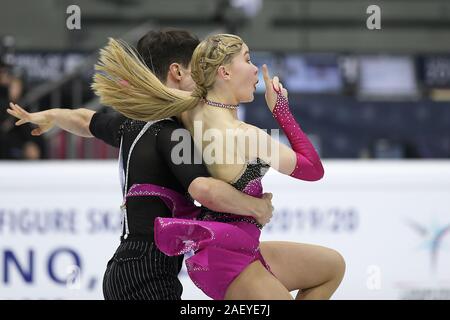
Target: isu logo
433 237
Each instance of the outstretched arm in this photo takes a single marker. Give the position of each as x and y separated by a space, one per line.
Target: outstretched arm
75 121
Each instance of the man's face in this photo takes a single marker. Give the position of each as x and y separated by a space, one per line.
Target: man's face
186 82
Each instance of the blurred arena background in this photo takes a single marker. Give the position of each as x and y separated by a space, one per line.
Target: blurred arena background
375 102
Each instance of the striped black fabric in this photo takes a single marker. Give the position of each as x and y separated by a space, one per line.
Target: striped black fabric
139 271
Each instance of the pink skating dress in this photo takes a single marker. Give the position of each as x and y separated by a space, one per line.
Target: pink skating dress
225 244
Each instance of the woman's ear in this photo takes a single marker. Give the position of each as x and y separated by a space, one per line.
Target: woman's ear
223 73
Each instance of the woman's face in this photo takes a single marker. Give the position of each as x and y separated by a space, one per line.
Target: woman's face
243 76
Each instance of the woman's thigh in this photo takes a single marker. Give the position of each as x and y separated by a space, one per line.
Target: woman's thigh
302 266
255 282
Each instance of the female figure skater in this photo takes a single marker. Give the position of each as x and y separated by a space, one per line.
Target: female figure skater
229 262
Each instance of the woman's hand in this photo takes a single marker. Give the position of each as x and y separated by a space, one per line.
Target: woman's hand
273 87
42 119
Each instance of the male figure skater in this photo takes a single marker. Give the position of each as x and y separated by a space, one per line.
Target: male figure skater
138 270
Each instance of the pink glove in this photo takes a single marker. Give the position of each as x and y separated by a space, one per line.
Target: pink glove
308 167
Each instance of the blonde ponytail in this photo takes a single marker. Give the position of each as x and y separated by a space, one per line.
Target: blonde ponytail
126 84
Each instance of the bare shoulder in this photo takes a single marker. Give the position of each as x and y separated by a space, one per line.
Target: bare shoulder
252 129
245 126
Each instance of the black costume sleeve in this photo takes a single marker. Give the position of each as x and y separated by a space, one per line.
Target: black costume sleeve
107 126
180 153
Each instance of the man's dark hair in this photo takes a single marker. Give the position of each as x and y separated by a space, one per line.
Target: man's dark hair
159 49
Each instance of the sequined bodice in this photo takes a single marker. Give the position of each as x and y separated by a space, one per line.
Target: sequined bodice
248 182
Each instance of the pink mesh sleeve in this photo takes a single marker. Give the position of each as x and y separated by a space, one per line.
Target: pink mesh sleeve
308 167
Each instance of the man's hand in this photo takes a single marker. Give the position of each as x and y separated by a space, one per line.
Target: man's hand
265 212
42 119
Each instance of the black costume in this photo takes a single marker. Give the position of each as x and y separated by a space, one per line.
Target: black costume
138 270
